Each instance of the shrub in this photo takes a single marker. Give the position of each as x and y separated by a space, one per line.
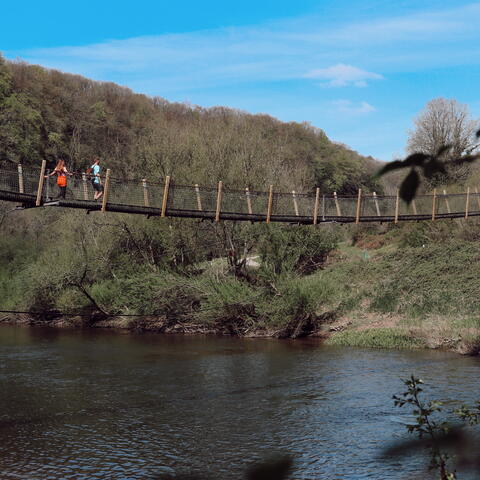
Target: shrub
301 249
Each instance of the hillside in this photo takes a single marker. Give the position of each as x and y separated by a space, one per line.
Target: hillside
45 114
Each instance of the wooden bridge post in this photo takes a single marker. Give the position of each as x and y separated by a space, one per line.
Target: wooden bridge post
249 201
295 203
397 205
146 200
434 202
21 184
446 201
166 190
414 207
106 191
467 202
337 205
359 206
199 199
41 180
219 201
84 183
270 203
315 207
375 199
47 185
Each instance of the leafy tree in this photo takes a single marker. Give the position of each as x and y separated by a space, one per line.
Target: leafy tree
445 123
20 122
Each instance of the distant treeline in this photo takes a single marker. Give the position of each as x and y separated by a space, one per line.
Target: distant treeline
46 114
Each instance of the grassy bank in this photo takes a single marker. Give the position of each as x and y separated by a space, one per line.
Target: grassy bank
413 286
407 297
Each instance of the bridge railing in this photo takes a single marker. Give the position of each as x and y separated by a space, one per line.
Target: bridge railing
268 204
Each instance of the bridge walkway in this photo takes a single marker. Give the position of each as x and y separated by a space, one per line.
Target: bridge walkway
28 187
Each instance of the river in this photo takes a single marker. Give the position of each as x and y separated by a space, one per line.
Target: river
102 405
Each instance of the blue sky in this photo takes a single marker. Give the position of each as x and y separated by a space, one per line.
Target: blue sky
360 70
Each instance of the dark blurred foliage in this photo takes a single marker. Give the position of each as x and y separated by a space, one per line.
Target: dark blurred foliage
277 468
426 167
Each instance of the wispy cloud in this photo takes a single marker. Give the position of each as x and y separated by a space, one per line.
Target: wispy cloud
342 75
351 108
280 51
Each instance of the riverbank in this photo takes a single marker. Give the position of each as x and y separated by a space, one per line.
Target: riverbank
368 331
412 286
380 297
237 327
400 296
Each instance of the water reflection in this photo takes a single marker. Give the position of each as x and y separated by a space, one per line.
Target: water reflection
100 405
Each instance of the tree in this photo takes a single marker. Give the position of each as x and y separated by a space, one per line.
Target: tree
20 121
445 123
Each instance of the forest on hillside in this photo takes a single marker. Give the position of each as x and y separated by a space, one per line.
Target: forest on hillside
185 272
46 114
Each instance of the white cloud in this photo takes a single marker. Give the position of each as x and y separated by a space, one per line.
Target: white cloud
342 75
282 51
414 27
350 108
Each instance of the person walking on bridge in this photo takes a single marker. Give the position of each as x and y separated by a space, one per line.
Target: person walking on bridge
94 170
61 172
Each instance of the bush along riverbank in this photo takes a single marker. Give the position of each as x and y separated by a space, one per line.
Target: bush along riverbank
185 277
413 286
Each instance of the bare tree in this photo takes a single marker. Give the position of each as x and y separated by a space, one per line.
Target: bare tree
445 123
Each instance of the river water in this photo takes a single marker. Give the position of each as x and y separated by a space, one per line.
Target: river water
99 405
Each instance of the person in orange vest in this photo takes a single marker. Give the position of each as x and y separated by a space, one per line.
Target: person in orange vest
61 172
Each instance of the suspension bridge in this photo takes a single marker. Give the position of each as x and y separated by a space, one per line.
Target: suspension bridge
28 187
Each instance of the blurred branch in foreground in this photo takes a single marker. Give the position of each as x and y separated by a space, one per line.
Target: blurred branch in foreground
445 141
277 468
450 447
430 166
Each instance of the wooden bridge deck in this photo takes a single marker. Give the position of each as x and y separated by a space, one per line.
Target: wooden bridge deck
28 187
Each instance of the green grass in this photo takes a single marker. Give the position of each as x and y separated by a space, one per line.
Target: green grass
349 250
376 338
469 322
439 279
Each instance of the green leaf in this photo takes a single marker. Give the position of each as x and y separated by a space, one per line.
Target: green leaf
416 159
413 160
466 159
443 149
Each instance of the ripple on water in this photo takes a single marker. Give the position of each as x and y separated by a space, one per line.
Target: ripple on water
118 407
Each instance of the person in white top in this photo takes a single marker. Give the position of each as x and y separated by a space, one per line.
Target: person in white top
94 170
